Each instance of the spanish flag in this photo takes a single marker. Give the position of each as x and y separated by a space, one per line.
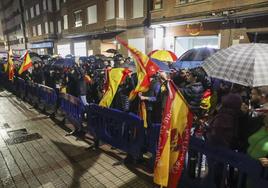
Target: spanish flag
205 102
145 69
26 64
173 139
115 77
10 65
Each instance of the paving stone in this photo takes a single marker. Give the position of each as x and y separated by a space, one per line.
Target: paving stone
54 160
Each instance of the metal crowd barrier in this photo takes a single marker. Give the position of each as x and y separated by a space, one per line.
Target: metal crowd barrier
48 98
73 109
119 129
20 87
237 170
125 131
32 93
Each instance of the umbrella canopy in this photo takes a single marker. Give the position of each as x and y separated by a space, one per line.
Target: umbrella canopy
64 63
193 58
163 66
197 54
186 64
163 55
244 64
112 51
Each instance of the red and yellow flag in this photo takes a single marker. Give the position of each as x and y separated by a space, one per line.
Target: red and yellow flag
144 66
115 77
26 64
205 102
10 65
173 139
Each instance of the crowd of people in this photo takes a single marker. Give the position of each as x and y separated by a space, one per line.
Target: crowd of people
235 118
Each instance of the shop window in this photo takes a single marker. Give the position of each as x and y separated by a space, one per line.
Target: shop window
77 18
64 49
80 49
182 44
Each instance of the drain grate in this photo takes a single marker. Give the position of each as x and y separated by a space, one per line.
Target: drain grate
20 136
17 133
25 138
5 126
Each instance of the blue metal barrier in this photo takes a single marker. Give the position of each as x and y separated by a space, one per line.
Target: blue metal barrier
47 97
119 129
73 108
250 172
20 87
32 95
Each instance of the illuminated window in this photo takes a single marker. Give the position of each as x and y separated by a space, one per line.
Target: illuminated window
157 4
77 18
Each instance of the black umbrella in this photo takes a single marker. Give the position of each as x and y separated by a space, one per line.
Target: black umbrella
112 51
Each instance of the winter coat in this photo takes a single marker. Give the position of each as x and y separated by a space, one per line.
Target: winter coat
223 129
193 94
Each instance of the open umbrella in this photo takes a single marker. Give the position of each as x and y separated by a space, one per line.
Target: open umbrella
163 66
163 55
112 51
193 58
244 64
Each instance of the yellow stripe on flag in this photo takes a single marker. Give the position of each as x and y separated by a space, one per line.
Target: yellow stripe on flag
26 64
173 139
115 76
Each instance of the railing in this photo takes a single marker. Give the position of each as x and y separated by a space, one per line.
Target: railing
73 108
125 131
119 129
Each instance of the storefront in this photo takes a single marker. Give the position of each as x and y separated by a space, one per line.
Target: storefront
183 44
80 49
64 49
42 48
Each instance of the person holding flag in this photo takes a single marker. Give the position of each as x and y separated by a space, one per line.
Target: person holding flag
174 138
114 78
26 64
145 68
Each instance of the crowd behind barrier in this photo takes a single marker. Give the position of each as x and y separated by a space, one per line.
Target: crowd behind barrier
125 131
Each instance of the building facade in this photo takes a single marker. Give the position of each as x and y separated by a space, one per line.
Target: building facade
183 24
90 27
2 42
13 26
87 27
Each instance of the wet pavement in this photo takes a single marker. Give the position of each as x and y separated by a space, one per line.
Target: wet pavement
34 152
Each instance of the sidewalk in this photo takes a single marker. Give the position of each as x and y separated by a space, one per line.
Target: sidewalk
51 159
